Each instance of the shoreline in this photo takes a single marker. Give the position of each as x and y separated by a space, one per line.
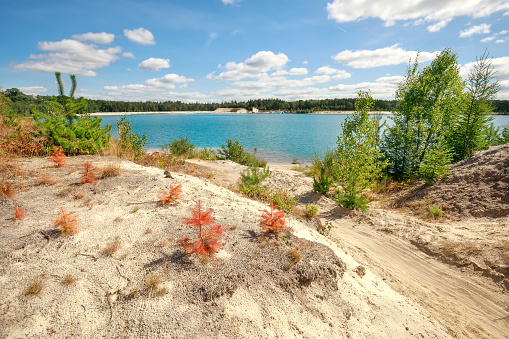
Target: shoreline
222 112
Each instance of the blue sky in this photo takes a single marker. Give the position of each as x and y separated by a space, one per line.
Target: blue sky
222 50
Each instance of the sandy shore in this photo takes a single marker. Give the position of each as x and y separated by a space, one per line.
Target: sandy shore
372 276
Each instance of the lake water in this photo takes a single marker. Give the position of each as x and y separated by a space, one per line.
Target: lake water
279 138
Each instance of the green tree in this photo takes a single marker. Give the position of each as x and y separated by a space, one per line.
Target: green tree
129 143
474 119
355 164
429 101
62 126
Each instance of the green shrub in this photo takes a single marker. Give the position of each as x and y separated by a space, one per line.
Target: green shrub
434 165
182 147
280 197
254 175
352 198
435 211
62 126
311 211
233 151
323 184
129 143
205 154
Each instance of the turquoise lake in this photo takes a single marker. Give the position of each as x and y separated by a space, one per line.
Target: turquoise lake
279 138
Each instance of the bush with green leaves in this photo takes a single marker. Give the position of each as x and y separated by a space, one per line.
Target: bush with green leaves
323 184
182 147
254 175
66 126
355 164
129 143
434 165
233 151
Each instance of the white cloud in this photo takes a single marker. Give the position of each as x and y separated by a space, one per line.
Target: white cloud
254 67
490 38
167 82
298 71
229 2
140 35
437 12
154 64
499 41
212 37
392 55
98 38
128 55
478 29
438 26
395 79
70 56
33 90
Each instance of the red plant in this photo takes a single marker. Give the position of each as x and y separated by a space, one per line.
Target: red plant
273 221
88 174
208 241
171 196
58 157
66 222
19 213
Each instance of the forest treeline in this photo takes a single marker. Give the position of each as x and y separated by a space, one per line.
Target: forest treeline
20 105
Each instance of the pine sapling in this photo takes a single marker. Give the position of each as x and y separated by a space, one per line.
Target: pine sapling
66 222
207 243
19 213
88 174
273 221
171 196
58 157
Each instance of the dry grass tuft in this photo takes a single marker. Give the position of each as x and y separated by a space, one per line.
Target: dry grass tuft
69 280
112 247
111 170
35 288
6 189
152 285
45 178
295 255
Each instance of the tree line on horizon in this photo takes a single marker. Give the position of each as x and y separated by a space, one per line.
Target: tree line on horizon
20 102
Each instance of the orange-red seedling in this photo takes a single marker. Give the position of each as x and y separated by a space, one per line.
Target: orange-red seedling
273 221
88 174
171 196
66 222
208 241
58 157
19 213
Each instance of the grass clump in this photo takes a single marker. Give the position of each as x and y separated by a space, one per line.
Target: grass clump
110 170
152 285
310 212
435 212
69 280
112 247
45 178
35 287
279 196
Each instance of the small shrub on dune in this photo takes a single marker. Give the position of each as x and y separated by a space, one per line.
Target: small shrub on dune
58 157
19 213
66 222
207 242
273 221
171 196
88 174
110 170
6 189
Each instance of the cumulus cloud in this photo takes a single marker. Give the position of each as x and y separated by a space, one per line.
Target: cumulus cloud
229 2
154 64
293 71
254 67
140 36
477 29
98 38
70 56
494 36
33 90
165 83
128 55
392 55
438 13
337 74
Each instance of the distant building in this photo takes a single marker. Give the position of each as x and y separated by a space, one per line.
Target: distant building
254 110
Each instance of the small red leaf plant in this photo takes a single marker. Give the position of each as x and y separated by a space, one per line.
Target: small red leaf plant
88 174
67 222
58 157
273 221
171 196
19 213
208 242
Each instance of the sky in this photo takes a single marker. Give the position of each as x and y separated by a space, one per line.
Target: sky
224 50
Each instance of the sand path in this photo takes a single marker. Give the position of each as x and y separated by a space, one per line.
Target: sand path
468 306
